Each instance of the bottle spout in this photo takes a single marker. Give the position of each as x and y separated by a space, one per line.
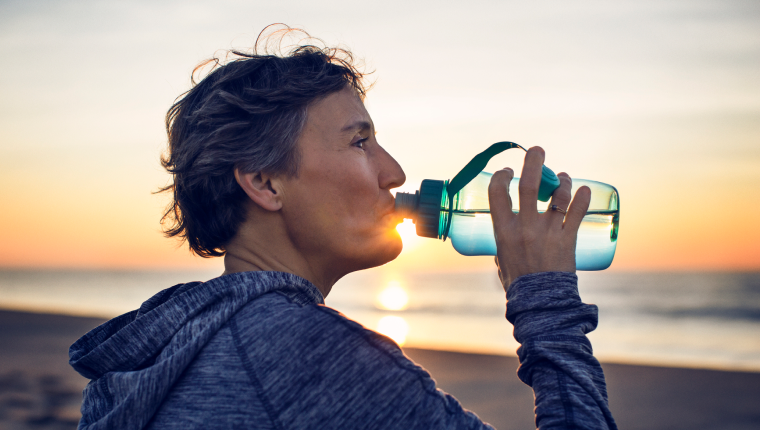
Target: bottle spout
423 207
407 204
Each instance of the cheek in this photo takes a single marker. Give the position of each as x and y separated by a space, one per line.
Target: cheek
353 196
341 200
363 207
333 208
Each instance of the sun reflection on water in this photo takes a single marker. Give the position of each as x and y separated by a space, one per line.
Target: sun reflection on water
393 297
394 327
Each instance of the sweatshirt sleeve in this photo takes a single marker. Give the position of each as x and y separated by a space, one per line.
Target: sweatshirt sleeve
556 360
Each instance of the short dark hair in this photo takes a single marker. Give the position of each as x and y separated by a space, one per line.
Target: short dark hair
245 114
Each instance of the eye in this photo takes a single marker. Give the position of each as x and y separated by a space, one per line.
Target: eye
360 143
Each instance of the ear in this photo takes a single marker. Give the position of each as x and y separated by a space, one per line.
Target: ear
262 188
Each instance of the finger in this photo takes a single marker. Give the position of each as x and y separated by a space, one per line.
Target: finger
560 198
498 269
530 181
577 210
499 201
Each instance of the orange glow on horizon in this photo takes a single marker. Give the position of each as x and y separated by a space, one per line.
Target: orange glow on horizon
39 228
723 247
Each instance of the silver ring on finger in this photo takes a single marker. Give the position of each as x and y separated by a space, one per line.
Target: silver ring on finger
558 209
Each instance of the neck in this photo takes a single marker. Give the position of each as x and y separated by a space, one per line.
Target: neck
266 246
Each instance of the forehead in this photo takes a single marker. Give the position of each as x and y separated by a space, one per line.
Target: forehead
340 112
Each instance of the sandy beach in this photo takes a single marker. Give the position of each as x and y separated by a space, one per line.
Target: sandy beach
38 389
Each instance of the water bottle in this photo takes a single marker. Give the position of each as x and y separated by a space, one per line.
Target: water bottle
458 209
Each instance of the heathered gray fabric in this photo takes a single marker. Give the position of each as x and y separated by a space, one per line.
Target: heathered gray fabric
556 360
260 350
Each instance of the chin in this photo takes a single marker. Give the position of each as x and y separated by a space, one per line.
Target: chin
382 252
393 250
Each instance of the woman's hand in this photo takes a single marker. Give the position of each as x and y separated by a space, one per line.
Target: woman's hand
529 242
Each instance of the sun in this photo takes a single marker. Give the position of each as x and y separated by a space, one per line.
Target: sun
408 232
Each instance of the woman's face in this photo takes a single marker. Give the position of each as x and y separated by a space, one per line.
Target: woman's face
339 211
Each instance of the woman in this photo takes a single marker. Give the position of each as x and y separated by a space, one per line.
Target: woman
277 168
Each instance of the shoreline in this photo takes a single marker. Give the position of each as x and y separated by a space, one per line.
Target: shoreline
39 389
606 360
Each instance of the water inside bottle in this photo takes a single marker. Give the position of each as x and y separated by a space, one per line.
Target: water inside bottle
472 234
471 229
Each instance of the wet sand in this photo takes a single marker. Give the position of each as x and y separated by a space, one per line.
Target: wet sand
38 389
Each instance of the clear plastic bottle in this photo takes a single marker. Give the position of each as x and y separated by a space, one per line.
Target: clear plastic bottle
471 228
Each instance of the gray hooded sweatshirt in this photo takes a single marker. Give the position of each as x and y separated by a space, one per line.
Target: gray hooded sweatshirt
259 350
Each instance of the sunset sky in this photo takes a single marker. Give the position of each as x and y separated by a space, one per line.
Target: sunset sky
659 98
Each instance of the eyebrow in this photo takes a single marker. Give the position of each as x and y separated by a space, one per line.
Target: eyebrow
358 125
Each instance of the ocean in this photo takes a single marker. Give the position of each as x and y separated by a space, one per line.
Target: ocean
700 320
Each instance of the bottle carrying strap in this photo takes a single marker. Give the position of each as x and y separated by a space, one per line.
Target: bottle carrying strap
549 181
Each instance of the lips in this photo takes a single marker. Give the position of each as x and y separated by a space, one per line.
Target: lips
392 217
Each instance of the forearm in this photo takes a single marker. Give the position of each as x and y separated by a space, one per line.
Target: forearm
556 358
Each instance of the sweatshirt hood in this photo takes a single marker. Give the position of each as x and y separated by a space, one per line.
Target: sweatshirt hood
133 360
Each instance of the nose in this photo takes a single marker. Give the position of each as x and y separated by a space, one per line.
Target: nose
391 174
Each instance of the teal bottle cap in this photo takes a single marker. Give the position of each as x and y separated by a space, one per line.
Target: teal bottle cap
549 183
424 207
